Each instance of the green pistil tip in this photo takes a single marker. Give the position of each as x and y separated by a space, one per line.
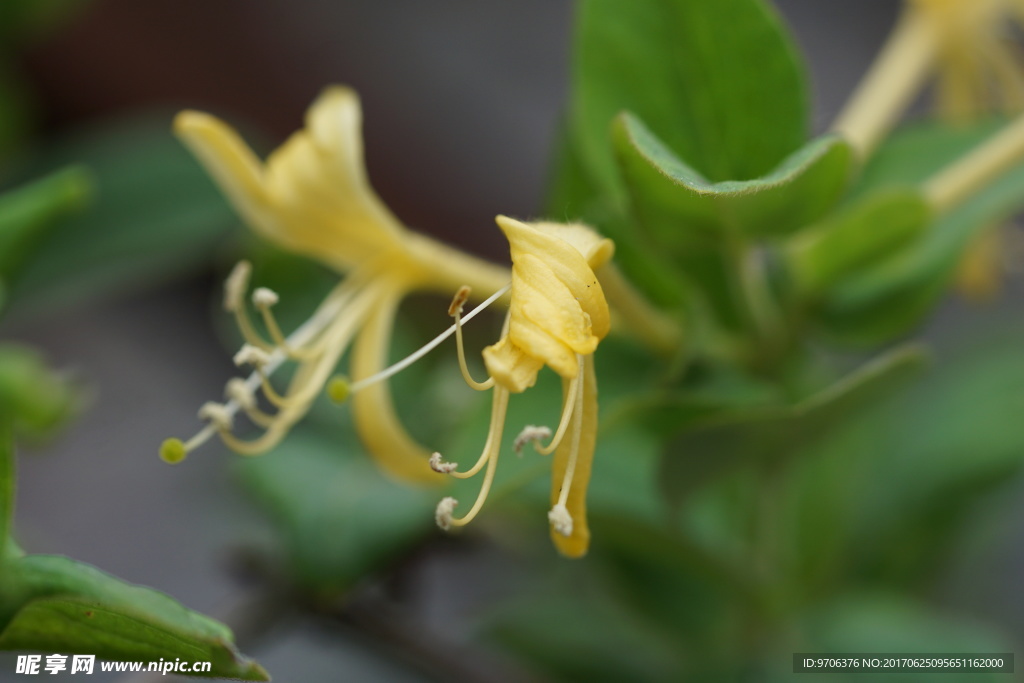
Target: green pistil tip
338 389
172 451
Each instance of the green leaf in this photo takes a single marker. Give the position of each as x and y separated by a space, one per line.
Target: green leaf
885 498
33 398
54 604
858 236
684 68
892 297
157 216
769 434
678 205
340 517
950 442
30 212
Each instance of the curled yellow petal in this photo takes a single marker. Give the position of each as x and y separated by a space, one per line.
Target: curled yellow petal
312 195
379 428
558 309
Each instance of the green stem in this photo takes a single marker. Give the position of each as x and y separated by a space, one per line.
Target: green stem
660 332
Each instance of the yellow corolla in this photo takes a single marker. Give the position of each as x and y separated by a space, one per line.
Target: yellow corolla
557 316
312 197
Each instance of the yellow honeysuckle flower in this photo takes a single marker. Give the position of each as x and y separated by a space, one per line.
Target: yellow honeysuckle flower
557 317
967 46
311 196
964 44
977 66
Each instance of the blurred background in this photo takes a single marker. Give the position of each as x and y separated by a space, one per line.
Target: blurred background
461 104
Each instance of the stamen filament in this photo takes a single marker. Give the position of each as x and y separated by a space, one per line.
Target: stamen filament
499 408
501 396
455 310
577 432
234 301
568 410
321 320
428 347
270 322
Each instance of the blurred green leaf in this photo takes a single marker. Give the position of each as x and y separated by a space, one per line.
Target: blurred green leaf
678 205
667 62
769 434
671 64
340 517
54 604
157 215
575 630
877 622
885 498
892 297
30 212
858 236
33 398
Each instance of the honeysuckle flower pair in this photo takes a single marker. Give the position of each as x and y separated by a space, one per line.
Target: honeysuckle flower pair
311 196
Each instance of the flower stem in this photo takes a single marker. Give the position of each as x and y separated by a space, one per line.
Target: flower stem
659 331
894 79
971 173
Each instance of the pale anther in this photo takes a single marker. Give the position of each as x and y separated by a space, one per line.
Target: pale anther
530 433
561 520
216 414
445 510
440 466
237 390
264 297
251 355
235 286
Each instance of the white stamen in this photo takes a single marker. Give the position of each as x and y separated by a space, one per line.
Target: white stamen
445 510
217 414
238 390
428 347
235 286
530 433
440 466
561 520
264 297
251 355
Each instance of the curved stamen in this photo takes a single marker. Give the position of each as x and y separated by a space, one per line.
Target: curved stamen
492 466
568 408
455 311
499 407
234 302
577 432
428 347
264 300
318 332
236 390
